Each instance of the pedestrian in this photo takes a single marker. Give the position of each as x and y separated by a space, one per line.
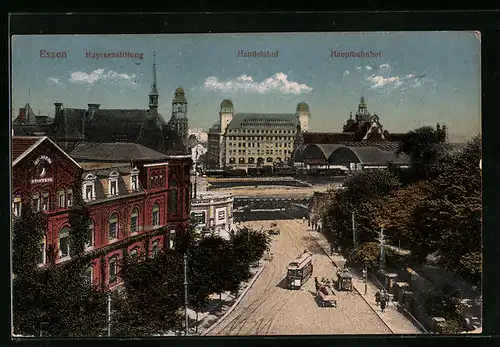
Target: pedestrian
316 283
309 223
382 304
331 249
377 297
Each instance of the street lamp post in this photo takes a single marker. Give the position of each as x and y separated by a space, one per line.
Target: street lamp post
382 249
186 296
109 314
354 240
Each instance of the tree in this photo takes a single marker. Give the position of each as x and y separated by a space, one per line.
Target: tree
79 219
449 219
27 234
427 151
368 255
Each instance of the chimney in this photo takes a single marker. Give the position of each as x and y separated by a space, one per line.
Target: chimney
58 106
21 118
92 109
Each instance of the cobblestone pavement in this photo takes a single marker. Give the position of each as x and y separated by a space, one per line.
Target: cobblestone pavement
395 320
269 309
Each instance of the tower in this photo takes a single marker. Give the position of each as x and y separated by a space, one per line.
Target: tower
179 113
362 115
153 95
302 115
226 114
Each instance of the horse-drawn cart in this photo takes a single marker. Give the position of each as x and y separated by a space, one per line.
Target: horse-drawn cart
326 297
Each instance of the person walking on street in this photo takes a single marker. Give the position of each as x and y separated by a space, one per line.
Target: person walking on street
331 249
377 297
382 303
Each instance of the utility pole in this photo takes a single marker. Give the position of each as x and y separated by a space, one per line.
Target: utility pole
109 314
195 170
185 295
382 249
354 241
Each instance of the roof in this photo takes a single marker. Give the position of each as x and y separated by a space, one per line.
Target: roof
179 95
326 138
302 107
226 103
263 120
23 145
215 128
116 152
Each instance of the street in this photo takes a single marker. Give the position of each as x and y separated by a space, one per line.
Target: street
270 309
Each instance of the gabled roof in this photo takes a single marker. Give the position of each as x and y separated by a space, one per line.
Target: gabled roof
116 152
24 145
263 120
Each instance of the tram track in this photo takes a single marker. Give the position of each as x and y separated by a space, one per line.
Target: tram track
357 291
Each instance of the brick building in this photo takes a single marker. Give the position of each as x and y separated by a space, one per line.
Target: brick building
138 198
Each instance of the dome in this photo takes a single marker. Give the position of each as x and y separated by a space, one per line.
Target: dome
179 96
302 107
226 103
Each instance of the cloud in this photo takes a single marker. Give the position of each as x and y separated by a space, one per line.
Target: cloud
368 68
406 81
276 83
346 72
56 81
384 66
101 75
358 67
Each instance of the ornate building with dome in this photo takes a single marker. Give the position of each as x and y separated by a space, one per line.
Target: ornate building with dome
253 141
146 127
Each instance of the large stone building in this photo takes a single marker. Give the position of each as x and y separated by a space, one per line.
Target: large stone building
94 124
363 144
246 141
138 199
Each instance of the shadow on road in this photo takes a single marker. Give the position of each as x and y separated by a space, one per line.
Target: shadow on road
312 246
282 284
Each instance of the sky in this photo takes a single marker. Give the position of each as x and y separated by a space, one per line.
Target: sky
413 79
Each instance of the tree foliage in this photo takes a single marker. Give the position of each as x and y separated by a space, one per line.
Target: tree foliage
368 255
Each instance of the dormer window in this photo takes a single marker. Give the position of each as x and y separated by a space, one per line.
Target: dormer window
89 187
134 179
113 183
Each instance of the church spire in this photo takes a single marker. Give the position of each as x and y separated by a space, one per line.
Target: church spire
153 95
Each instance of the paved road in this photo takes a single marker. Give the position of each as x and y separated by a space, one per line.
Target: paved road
269 309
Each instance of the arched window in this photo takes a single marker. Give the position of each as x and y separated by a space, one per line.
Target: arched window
269 160
60 199
134 220
232 160
251 160
17 206
156 214
113 227
134 253
89 242
64 242
35 202
172 239
112 269
155 247
45 201
241 160
69 197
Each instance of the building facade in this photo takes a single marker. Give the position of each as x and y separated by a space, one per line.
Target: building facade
95 124
138 202
246 141
213 213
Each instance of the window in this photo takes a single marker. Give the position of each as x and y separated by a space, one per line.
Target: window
42 254
172 239
16 209
89 275
60 199
156 214
134 253
155 247
64 242
35 203
113 227
89 242
89 191
172 202
113 188
45 201
69 198
113 183
112 270
134 179
134 218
